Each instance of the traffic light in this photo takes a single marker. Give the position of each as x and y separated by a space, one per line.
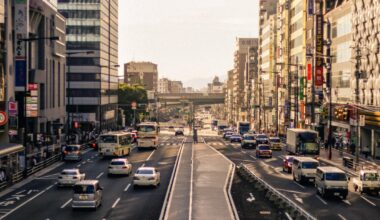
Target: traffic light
76 125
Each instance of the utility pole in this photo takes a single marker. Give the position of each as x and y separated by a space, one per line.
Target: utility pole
328 82
357 99
296 96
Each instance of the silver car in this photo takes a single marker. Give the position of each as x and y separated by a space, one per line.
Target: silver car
68 177
87 194
72 152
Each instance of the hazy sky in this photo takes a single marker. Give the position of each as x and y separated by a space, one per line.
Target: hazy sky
190 40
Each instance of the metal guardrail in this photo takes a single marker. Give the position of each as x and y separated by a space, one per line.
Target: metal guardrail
283 201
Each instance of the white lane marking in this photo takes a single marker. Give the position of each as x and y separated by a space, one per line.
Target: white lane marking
143 165
79 165
299 185
323 201
84 162
281 156
100 174
20 192
367 200
288 216
347 202
27 201
150 155
191 183
88 159
298 199
341 217
126 188
116 202
66 203
252 157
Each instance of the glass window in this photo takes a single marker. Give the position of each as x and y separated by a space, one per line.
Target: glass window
83 61
108 139
309 165
117 162
80 189
264 147
336 176
343 52
144 171
83 92
344 25
146 128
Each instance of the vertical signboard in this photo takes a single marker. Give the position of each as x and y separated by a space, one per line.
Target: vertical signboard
21 21
318 79
310 7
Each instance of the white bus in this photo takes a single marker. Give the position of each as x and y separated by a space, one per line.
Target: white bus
115 144
147 135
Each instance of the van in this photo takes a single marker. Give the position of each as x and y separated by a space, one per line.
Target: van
87 194
304 168
72 152
331 181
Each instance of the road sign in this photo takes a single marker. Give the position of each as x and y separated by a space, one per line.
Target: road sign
134 105
3 118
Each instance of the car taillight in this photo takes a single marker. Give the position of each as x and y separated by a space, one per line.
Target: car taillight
124 167
109 167
60 177
65 152
77 152
151 178
136 178
93 145
74 177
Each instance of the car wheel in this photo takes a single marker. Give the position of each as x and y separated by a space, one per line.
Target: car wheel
283 169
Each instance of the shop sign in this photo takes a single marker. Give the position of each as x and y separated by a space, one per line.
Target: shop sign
318 79
3 118
12 108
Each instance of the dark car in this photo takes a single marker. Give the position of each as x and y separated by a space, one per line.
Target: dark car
263 150
235 138
72 152
178 132
261 139
287 164
248 141
227 135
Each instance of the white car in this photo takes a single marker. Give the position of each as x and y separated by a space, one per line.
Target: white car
146 176
120 166
68 177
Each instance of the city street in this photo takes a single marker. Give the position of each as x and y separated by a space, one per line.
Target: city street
42 199
356 206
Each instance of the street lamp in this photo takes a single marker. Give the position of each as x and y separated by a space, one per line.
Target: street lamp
26 41
69 97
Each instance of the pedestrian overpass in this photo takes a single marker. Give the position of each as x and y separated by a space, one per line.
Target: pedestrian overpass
195 98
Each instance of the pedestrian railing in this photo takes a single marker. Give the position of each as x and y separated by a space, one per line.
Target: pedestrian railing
292 208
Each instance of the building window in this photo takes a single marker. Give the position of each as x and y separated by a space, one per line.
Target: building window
83 61
83 77
87 45
42 96
59 84
81 14
83 92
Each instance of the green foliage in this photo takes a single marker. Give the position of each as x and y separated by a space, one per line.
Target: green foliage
127 94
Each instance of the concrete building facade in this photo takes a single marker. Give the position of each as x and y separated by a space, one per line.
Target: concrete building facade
141 73
92 61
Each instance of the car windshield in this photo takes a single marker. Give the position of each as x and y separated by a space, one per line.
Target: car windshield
67 172
264 147
79 189
117 163
235 136
248 138
275 140
336 176
144 171
290 159
262 136
310 165
147 128
108 139
371 177
71 148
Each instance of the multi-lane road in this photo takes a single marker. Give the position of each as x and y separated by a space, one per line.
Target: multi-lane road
42 199
356 206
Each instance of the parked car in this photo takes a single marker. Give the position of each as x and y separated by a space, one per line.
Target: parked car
235 138
263 150
119 166
87 194
248 141
68 177
367 182
146 176
275 143
72 152
287 164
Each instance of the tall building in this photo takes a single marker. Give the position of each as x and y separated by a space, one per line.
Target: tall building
228 99
250 72
92 61
216 86
239 111
163 85
141 73
175 87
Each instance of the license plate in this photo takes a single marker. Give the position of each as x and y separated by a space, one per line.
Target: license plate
336 194
82 197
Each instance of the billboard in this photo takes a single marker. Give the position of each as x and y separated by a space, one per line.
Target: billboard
318 71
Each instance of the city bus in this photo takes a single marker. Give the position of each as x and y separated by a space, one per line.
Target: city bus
115 144
147 135
243 127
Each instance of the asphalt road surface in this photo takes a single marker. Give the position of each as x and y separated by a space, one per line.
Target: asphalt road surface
42 199
356 206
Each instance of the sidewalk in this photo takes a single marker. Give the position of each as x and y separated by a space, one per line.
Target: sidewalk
337 160
199 190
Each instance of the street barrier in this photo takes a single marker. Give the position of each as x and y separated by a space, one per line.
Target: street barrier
293 209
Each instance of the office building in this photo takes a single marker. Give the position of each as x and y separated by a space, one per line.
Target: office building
163 85
141 73
92 61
